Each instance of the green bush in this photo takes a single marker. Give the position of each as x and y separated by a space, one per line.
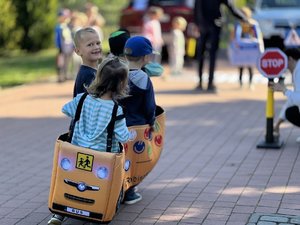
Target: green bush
36 20
9 35
110 9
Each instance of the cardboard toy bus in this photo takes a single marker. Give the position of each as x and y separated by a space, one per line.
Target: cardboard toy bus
143 150
90 185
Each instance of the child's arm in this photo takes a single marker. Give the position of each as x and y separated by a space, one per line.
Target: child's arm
58 37
238 32
70 108
150 104
121 131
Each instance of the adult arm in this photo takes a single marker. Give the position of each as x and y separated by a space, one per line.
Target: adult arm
235 12
293 97
281 118
198 16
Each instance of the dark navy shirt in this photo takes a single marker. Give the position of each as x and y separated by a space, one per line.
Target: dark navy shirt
85 76
140 106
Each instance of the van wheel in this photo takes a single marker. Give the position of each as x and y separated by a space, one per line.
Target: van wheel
121 195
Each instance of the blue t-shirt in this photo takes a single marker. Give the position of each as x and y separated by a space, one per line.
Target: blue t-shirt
84 77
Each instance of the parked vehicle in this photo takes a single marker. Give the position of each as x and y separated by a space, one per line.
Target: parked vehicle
132 16
276 18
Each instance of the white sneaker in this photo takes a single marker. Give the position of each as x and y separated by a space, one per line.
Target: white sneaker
135 189
132 198
56 220
298 140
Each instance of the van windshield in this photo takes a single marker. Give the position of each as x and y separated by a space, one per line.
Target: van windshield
280 4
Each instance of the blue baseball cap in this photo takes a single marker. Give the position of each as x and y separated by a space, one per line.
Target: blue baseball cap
138 46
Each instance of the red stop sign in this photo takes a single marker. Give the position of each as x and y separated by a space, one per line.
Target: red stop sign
272 63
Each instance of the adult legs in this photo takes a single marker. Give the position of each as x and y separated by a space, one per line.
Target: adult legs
201 45
214 46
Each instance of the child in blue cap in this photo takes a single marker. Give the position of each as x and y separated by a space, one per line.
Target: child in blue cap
139 106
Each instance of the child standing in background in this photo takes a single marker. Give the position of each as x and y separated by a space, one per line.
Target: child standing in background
78 21
176 47
152 30
88 47
64 44
95 19
249 30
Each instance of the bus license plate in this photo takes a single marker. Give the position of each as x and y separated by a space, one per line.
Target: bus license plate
78 211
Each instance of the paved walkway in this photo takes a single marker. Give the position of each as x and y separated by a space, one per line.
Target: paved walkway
210 172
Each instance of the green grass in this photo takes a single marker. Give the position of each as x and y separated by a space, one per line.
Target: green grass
21 68
25 68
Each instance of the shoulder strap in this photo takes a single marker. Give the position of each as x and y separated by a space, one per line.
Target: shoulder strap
110 128
122 116
77 116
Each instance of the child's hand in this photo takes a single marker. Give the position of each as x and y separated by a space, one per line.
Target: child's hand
152 128
278 87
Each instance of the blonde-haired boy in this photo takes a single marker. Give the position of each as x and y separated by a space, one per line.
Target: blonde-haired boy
88 47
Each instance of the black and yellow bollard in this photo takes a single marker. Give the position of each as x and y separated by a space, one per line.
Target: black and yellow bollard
270 141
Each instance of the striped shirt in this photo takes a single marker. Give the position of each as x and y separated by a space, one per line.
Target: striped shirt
91 129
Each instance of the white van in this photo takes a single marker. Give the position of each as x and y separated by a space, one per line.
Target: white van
276 18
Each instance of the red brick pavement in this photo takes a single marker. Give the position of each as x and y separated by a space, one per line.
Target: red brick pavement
210 171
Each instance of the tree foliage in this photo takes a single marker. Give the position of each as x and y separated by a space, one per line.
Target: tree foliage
29 24
36 19
9 35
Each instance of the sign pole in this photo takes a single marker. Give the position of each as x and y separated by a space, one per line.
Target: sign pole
270 141
270 113
269 67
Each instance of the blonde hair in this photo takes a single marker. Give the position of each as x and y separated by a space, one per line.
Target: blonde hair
246 11
180 21
80 33
154 10
112 75
79 19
